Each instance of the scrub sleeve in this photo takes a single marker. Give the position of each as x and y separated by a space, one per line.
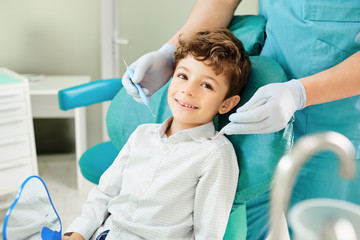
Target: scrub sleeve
306 37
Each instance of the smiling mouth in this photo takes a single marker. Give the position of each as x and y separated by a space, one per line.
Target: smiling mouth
186 105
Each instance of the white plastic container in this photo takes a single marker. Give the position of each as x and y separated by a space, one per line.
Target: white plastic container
317 219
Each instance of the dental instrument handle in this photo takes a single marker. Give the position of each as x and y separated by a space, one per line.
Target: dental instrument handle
138 87
141 93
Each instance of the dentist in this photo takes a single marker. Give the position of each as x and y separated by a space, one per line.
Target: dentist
317 42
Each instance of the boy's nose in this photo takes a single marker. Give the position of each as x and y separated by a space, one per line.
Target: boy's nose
189 89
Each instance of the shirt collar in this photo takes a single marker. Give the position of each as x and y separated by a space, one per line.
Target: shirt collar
200 133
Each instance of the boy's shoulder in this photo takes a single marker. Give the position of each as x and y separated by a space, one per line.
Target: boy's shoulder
215 142
217 148
219 141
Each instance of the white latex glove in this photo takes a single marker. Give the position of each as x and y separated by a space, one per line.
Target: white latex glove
285 100
152 71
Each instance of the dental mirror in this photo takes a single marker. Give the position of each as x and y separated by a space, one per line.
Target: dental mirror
32 215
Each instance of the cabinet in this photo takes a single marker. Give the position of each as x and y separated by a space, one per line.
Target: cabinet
17 145
45 105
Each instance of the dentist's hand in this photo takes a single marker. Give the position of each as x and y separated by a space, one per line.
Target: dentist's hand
152 71
286 99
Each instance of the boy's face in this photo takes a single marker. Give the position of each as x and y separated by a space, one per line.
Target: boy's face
196 94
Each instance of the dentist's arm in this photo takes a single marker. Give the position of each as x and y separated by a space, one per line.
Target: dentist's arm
338 82
154 69
207 14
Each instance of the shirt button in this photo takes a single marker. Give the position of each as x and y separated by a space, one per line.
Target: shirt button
165 147
357 38
147 181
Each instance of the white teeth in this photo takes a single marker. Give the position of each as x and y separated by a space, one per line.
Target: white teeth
189 106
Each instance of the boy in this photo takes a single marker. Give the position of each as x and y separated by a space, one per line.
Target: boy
175 180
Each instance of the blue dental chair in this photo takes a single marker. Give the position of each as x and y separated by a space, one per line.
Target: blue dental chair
257 154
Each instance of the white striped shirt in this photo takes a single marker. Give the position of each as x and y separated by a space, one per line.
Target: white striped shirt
159 187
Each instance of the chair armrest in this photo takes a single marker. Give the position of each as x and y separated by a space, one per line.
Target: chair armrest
89 93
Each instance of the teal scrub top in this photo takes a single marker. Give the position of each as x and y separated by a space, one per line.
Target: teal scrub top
309 36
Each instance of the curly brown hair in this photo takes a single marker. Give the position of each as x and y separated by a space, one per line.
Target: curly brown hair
224 52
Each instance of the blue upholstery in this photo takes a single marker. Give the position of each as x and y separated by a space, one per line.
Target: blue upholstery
89 93
96 160
257 154
251 31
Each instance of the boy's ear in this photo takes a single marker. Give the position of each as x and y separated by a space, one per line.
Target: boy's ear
229 103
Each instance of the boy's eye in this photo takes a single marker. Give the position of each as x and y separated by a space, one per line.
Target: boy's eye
208 86
182 76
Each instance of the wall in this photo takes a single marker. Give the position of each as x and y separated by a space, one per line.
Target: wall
54 37
62 37
150 26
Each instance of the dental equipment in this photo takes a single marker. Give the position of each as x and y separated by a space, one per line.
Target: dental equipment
290 164
138 87
258 104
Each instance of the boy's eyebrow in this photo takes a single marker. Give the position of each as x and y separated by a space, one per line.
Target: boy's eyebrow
185 68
